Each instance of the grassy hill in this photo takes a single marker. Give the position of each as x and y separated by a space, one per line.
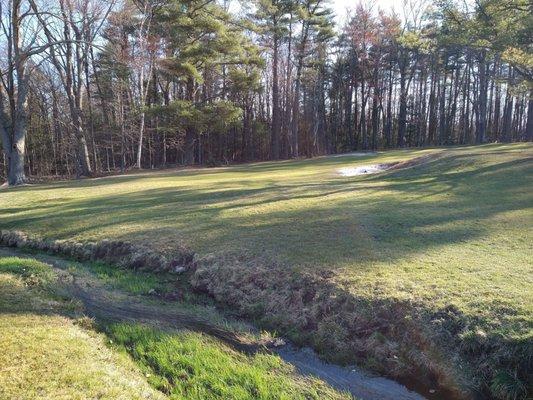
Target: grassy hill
47 355
449 239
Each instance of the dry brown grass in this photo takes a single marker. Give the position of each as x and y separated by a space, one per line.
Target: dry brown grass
117 252
313 310
399 339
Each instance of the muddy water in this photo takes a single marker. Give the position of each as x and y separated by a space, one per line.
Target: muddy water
363 170
353 380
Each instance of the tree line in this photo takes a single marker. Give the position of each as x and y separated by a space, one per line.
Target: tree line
91 86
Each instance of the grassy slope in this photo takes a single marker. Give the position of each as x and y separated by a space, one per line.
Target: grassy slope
48 354
455 231
45 355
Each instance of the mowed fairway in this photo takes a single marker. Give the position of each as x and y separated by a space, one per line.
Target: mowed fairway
453 231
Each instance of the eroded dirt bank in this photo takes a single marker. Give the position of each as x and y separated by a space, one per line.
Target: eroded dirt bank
312 310
308 309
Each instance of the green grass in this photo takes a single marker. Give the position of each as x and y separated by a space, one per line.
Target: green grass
32 271
45 354
127 280
50 352
195 367
453 233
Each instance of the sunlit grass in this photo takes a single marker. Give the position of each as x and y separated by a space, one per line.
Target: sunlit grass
456 230
454 233
30 270
45 354
186 365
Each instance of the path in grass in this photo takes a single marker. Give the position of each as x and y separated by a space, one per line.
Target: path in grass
116 308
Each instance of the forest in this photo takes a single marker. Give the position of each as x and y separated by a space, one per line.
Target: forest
91 87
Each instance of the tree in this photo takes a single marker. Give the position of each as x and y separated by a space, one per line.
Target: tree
78 25
14 90
316 28
152 83
272 18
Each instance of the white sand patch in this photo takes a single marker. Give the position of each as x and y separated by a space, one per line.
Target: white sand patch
356 154
363 170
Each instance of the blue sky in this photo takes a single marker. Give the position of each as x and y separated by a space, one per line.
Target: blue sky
341 6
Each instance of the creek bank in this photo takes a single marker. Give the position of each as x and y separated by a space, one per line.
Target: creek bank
401 340
115 252
309 308
109 305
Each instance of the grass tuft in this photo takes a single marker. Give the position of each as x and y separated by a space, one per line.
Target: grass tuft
506 386
33 272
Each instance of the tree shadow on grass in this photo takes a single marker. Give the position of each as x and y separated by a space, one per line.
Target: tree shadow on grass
242 170
327 221
387 217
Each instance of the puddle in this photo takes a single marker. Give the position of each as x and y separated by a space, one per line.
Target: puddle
356 154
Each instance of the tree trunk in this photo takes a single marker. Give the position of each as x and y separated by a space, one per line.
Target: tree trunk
507 110
16 175
274 144
529 124
13 127
189 131
83 151
402 115
140 144
15 152
388 123
375 118
481 128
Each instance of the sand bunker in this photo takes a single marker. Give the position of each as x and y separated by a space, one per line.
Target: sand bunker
376 168
363 170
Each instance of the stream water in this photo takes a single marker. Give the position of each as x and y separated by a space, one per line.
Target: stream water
360 384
